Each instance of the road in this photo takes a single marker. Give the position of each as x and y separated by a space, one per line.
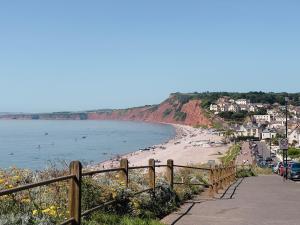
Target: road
262 200
245 155
263 149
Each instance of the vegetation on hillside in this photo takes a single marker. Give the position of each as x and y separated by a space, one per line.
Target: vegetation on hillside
208 98
294 153
231 154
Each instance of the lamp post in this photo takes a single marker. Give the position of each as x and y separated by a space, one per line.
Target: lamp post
286 134
270 144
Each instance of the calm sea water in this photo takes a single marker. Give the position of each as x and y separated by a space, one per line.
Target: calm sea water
33 144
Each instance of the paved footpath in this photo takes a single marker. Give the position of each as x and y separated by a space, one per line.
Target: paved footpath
263 200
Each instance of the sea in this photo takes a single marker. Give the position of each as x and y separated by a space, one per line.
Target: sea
40 144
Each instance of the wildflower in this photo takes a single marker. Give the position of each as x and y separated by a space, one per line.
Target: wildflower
2 181
25 200
16 178
46 210
10 186
34 212
114 194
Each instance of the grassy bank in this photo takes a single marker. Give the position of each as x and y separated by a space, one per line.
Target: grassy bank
231 154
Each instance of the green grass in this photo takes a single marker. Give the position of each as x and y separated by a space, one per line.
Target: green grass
231 154
111 219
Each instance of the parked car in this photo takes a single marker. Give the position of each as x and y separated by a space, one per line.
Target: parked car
276 167
282 169
269 160
294 171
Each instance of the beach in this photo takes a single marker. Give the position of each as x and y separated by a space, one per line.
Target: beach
189 146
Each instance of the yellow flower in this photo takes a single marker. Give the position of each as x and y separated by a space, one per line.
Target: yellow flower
34 212
10 186
50 211
2 181
25 200
16 178
46 210
114 194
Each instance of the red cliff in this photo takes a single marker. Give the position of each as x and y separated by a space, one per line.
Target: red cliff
178 109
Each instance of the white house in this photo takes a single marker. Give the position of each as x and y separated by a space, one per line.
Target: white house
233 108
280 118
223 107
248 130
276 124
259 105
214 107
268 134
244 107
261 118
242 101
252 108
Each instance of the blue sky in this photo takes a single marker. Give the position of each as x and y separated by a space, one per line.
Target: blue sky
74 55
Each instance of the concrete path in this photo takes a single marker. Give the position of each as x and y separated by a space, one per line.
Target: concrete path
263 200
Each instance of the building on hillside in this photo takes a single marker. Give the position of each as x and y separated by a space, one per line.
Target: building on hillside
262 118
259 105
233 108
252 108
244 107
223 107
275 124
214 107
268 134
223 100
242 101
281 118
271 112
249 130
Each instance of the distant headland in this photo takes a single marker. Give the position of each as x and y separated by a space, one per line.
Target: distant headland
179 108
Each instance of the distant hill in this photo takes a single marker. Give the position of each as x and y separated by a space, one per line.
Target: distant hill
179 108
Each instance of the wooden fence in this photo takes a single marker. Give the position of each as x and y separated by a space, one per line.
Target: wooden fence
219 178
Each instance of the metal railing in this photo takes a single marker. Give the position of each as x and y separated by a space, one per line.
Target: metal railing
219 177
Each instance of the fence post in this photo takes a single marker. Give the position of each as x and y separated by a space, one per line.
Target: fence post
217 178
227 182
124 171
232 172
212 182
215 187
221 176
170 172
75 192
151 174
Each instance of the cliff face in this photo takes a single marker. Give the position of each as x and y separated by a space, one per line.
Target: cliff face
178 109
169 111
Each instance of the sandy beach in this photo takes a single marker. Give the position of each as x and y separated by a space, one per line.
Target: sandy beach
189 146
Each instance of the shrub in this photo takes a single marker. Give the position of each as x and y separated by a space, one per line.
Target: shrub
180 116
167 112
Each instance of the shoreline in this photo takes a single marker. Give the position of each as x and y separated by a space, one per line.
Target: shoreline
188 146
